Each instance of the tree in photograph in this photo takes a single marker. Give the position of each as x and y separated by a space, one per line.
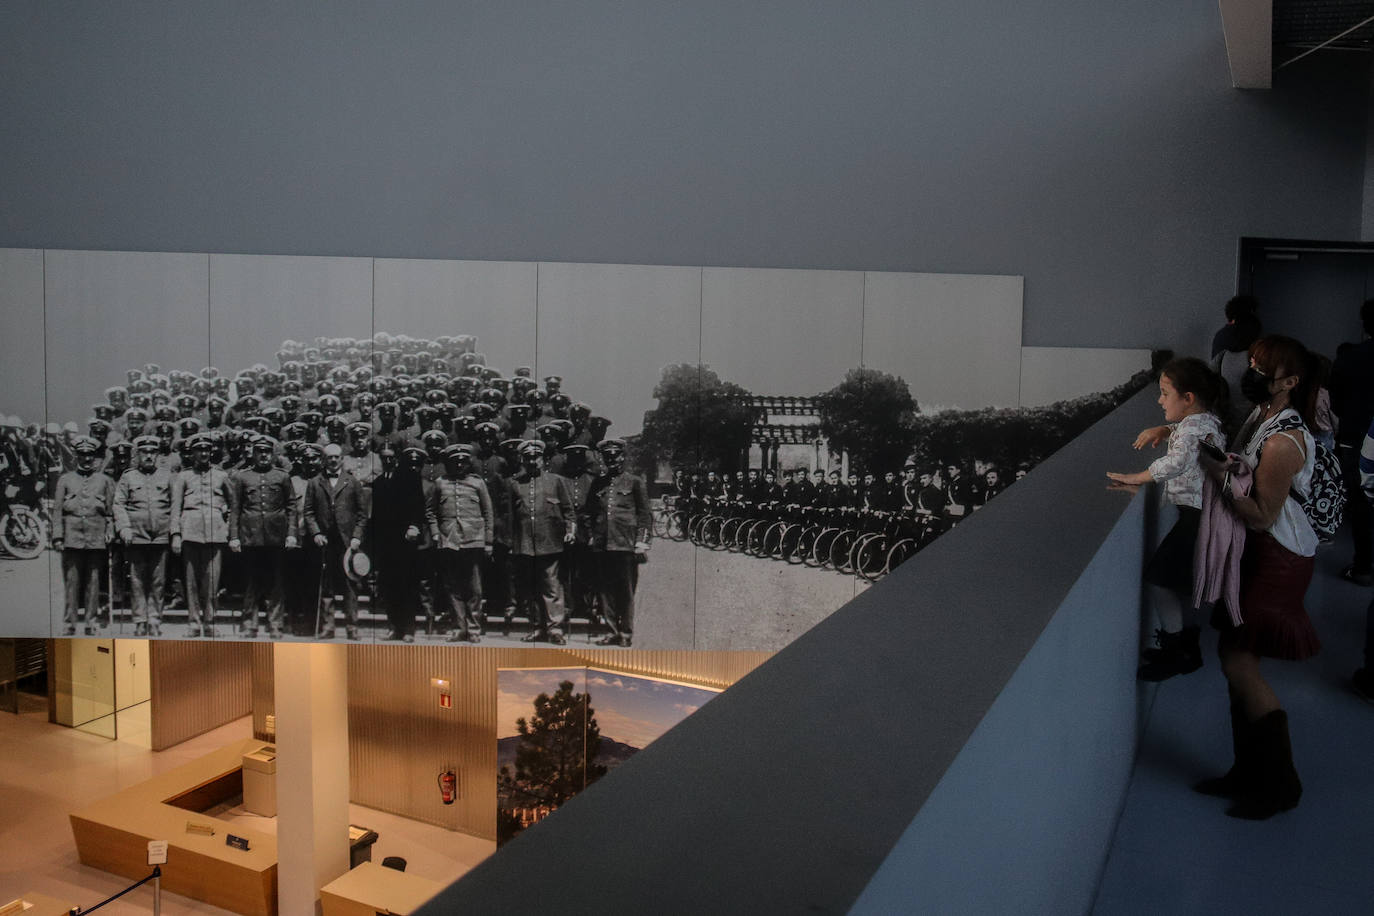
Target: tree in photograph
700 421
554 759
870 415
1011 437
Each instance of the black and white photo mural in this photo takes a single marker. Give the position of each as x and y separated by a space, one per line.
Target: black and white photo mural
266 447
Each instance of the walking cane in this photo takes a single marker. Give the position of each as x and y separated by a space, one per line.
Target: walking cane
319 595
110 580
109 585
238 615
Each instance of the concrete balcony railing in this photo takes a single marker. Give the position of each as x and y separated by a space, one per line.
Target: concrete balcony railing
958 739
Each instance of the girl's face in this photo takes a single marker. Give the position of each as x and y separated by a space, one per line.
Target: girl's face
1176 406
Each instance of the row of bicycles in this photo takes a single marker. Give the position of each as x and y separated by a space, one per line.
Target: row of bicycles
868 543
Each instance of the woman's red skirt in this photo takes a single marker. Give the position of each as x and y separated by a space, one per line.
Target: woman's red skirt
1273 581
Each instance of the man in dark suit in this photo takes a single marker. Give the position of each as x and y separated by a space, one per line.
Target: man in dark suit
335 517
398 515
259 529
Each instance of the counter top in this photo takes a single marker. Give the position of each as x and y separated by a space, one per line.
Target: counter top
371 888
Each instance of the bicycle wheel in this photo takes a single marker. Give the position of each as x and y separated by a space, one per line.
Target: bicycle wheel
772 539
753 536
900 553
820 550
858 545
806 542
791 542
709 533
677 526
729 531
839 549
870 556
21 533
694 528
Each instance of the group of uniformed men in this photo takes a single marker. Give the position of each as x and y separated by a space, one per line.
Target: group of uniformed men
473 493
940 497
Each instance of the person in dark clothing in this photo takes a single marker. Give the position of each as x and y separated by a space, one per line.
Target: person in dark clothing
260 530
620 527
398 513
1242 326
335 518
543 523
1352 401
958 495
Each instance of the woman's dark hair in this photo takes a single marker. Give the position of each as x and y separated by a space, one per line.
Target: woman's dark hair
1279 357
1190 375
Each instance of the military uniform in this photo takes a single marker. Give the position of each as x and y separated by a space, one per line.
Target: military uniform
201 503
958 499
541 512
458 511
82 528
260 523
143 518
621 523
365 466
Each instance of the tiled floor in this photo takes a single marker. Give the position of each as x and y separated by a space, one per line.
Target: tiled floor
1176 852
47 770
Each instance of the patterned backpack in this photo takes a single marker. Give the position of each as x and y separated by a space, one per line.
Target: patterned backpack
1325 506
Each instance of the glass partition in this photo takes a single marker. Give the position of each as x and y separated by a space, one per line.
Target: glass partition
86 685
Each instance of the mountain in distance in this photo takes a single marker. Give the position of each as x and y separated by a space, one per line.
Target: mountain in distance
610 754
613 753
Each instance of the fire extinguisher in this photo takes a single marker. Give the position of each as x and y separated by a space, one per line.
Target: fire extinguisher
448 786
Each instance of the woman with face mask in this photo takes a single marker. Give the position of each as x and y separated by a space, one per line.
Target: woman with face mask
1275 444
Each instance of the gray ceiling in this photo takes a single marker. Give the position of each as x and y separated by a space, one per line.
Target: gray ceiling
1301 24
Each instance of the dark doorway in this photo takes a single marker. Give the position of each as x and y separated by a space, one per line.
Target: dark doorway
1308 290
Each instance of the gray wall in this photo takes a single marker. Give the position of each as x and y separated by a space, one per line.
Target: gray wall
1092 146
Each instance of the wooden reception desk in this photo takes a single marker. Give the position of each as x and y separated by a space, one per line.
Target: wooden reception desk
113 834
371 888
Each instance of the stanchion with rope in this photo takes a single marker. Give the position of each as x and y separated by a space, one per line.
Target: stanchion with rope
155 878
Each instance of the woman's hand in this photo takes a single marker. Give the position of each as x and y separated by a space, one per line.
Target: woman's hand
1132 480
1151 437
1213 468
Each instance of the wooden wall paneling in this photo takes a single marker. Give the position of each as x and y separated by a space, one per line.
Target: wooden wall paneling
197 686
